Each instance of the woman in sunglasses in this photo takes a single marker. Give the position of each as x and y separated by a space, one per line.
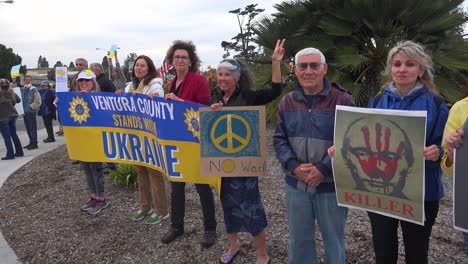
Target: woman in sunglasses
240 196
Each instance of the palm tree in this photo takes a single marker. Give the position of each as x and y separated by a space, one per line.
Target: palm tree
356 35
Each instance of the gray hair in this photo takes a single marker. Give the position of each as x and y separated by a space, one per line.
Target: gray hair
239 70
232 65
97 66
83 60
416 52
309 51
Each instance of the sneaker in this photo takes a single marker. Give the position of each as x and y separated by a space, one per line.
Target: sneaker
209 238
88 204
154 219
97 207
48 140
140 215
171 235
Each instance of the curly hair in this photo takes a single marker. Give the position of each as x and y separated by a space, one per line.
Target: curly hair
188 46
152 71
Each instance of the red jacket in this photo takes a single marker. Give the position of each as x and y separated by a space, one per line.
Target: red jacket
194 89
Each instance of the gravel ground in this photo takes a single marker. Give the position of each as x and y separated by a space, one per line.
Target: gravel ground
41 220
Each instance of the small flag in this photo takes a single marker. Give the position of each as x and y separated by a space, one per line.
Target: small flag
165 69
113 48
15 71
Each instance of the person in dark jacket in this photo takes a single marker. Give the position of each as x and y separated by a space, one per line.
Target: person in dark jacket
47 110
304 131
105 84
240 196
8 115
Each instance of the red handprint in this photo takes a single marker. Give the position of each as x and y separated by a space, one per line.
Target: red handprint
378 163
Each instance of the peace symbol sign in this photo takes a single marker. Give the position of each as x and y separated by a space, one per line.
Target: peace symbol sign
230 142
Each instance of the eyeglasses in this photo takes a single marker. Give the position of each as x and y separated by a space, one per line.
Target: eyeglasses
177 57
312 65
84 80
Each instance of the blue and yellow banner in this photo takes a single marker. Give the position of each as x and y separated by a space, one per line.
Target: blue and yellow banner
162 135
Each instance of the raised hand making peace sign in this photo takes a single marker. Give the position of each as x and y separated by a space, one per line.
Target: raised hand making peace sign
276 59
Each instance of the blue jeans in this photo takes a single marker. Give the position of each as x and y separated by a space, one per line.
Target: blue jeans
31 127
465 236
303 209
8 130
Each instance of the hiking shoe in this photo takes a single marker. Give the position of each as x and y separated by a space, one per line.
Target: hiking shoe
97 207
140 215
171 235
88 204
154 218
209 238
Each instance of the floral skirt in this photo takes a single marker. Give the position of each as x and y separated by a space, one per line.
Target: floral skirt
242 205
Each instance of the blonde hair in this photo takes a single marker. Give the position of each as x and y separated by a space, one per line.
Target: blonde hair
416 52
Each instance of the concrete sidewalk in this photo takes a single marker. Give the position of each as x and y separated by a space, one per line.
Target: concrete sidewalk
8 167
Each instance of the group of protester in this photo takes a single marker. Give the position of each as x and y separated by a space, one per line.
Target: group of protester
35 102
303 141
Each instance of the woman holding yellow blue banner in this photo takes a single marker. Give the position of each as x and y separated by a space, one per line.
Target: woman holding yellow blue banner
240 196
153 198
93 170
192 87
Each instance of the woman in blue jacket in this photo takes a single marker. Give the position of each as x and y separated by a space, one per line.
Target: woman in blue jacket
412 88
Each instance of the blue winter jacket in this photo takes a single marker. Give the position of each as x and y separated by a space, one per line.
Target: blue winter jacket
304 132
423 100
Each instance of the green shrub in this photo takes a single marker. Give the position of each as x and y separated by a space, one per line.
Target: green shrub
124 175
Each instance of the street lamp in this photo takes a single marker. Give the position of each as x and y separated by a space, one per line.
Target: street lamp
7 1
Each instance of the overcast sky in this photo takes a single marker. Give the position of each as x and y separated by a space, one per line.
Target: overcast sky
65 30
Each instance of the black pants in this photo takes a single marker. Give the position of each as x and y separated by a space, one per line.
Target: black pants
415 237
48 125
31 127
178 206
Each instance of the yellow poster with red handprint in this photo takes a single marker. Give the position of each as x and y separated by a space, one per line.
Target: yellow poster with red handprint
379 163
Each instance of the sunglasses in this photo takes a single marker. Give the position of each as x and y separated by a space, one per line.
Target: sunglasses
312 65
84 80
